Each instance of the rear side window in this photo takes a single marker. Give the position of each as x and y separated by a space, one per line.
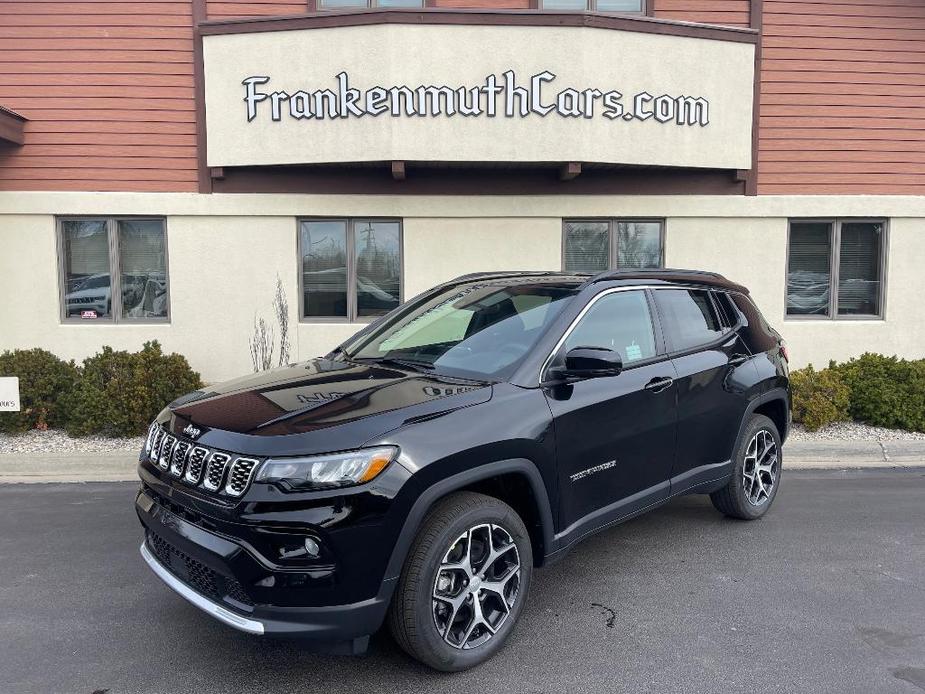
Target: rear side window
619 321
690 317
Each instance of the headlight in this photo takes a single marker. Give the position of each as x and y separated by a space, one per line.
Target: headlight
326 471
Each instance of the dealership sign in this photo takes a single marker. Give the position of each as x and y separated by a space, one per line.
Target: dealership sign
503 96
9 394
488 93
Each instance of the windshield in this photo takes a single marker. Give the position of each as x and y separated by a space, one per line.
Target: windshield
478 330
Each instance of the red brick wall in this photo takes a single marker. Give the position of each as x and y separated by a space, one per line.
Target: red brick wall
108 91
843 97
728 12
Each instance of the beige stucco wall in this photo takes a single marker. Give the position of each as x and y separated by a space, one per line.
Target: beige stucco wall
225 253
390 55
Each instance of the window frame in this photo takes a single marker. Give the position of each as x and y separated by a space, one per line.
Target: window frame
661 346
368 5
591 6
666 330
115 269
835 227
350 239
612 223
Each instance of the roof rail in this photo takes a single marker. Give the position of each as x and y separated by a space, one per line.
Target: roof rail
669 274
501 274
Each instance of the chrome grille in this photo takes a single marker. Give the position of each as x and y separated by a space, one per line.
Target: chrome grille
200 466
240 476
163 461
178 460
197 461
215 471
153 431
156 445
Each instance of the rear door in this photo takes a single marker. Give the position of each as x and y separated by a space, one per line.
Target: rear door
615 435
714 373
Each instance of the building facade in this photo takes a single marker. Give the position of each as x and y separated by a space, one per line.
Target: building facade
170 169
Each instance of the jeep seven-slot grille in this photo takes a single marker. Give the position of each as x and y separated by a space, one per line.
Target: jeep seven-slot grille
195 464
215 471
196 574
178 461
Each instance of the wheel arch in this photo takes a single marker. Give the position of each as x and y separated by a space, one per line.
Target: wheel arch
516 481
774 404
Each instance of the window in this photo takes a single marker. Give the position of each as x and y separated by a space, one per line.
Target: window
597 245
363 4
835 268
623 6
619 321
480 329
350 268
114 269
689 317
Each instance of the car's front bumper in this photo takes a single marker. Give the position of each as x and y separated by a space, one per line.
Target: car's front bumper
204 568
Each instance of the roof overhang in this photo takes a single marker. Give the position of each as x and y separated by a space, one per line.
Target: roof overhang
11 127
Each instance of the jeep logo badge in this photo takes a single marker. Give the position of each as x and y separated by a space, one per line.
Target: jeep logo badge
191 431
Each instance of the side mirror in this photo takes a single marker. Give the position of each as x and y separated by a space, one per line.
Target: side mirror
582 363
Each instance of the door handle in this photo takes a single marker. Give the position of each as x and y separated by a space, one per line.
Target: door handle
657 385
737 359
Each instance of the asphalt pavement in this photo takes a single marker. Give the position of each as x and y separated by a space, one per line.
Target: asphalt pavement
825 594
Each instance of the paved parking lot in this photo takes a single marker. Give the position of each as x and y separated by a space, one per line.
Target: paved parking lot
826 594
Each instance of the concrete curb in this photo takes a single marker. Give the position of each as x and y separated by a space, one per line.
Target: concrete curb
119 466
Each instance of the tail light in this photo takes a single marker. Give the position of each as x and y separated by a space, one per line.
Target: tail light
784 352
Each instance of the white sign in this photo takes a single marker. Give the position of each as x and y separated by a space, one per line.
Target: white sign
496 96
9 394
477 93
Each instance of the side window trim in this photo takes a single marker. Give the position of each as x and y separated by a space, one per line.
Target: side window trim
653 318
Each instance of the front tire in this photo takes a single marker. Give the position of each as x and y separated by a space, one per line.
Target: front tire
464 583
756 474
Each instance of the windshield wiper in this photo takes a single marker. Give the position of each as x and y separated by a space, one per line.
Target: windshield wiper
412 364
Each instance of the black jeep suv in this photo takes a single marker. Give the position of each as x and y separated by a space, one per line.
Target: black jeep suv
419 472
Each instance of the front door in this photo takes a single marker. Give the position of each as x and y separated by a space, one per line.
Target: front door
615 436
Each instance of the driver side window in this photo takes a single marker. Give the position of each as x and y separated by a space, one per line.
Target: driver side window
619 321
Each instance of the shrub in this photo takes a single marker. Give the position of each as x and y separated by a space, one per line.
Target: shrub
886 391
43 380
819 397
120 393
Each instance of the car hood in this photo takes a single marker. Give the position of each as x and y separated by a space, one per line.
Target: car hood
317 406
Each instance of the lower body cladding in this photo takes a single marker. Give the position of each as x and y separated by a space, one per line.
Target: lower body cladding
211 571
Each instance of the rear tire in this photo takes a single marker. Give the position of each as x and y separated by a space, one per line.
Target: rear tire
756 472
433 616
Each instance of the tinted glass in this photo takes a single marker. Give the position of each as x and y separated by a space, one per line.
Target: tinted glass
378 267
809 268
341 4
324 268
620 322
564 4
587 246
859 268
639 244
689 317
400 3
758 335
619 5
480 330
143 268
87 292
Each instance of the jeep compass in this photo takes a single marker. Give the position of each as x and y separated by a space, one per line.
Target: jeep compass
418 473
